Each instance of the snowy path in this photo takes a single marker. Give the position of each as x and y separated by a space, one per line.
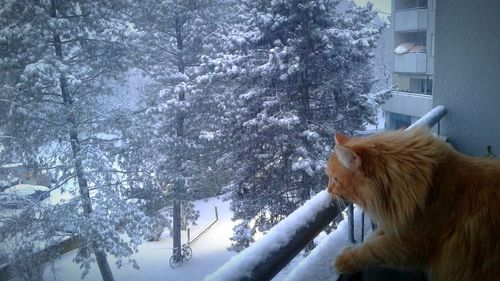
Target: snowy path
209 253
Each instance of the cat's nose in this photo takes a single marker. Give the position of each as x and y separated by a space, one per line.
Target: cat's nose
334 192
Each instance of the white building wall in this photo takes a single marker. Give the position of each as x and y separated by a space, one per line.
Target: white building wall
467 73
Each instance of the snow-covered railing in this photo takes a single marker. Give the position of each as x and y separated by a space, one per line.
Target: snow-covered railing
269 255
266 257
431 118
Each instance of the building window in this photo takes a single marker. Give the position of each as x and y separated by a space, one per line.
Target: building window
432 44
421 86
422 3
428 86
398 121
410 4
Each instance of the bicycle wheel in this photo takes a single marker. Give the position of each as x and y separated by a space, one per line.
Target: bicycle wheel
175 261
187 252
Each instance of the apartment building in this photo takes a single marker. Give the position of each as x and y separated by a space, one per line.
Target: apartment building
413 29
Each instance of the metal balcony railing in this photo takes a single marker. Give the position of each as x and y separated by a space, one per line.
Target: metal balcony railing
411 63
269 255
414 19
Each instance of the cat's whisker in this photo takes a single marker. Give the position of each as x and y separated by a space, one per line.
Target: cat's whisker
341 204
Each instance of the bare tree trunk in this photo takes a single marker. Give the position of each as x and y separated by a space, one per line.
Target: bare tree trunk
177 228
304 104
75 148
178 186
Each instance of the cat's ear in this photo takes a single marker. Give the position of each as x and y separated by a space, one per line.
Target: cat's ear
340 138
347 157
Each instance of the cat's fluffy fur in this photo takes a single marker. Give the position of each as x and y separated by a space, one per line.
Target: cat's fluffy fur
436 209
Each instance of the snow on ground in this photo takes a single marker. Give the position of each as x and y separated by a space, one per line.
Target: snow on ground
11 165
56 196
25 189
209 253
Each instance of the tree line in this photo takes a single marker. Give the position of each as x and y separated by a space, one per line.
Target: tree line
243 98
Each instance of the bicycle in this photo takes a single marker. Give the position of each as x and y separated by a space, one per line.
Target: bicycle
177 259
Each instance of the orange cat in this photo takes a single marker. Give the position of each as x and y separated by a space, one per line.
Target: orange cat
436 209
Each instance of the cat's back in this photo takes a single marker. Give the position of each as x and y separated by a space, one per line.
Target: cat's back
469 191
477 178
471 185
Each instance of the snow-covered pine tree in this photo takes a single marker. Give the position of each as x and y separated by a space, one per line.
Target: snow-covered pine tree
57 59
28 235
178 121
303 73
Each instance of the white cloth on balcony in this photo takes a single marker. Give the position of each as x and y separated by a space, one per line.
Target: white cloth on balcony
418 49
404 48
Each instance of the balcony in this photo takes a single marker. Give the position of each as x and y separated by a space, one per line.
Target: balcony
264 259
411 20
410 63
408 104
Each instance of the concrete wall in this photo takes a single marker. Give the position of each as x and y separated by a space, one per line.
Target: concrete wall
467 73
415 105
403 82
410 63
411 20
